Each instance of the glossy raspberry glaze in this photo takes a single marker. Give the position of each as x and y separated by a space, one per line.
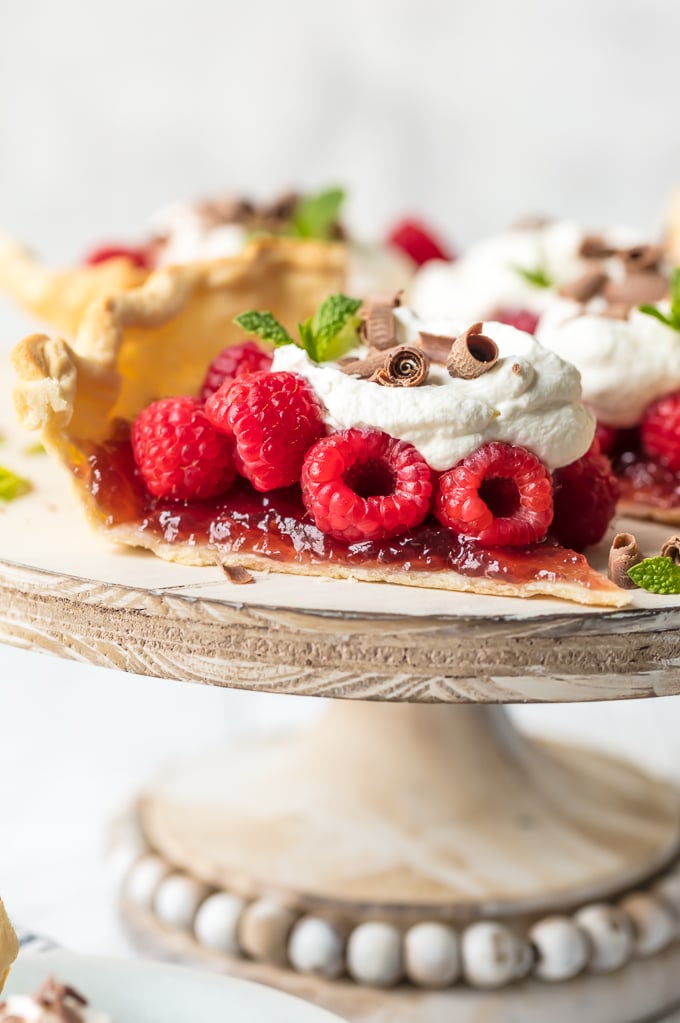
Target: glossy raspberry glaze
276 526
646 482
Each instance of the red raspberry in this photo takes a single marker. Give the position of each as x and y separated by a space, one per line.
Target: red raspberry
179 453
500 495
523 319
660 431
418 242
586 492
232 362
137 255
607 437
274 418
365 485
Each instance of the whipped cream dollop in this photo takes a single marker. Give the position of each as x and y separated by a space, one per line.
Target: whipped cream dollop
488 277
624 364
190 238
531 397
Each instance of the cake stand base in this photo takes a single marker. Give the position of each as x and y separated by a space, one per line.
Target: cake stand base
383 818
645 991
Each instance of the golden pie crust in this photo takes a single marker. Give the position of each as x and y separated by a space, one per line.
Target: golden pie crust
9 945
151 341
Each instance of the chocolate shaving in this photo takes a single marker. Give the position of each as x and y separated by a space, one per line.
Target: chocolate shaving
472 354
641 257
52 995
404 367
671 549
215 212
636 289
623 554
364 368
436 346
593 246
237 574
281 208
531 222
377 327
586 286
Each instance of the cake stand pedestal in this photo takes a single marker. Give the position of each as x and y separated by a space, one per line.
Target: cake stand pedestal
536 868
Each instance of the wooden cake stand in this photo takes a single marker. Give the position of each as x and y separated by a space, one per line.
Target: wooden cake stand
410 858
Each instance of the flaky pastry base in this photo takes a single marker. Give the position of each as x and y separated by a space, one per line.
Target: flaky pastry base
151 341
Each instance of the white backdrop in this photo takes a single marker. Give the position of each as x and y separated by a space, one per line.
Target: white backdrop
469 113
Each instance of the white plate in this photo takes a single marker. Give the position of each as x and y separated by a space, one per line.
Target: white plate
142 992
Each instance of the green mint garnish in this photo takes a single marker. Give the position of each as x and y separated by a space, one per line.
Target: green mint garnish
673 319
658 575
335 327
332 331
315 216
538 277
265 326
11 485
35 449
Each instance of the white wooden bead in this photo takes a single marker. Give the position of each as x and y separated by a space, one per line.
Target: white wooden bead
610 933
492 955
374 954
654 923
431 956
316 946
263 931
561 947
143 880
217 921
177 899
669 890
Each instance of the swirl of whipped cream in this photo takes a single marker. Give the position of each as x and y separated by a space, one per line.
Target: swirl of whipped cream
624 364
531 397
489 278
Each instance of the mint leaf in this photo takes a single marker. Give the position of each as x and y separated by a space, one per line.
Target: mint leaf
538 277
335 327
265 326
315 216
307 339
11 485
673 320
658 575
651 310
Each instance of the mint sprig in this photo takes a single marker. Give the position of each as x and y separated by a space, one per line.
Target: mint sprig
12 485
315 216
658 575
329 334
265 326
673 319
539 277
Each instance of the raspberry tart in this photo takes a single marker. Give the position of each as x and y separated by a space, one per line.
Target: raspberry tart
374 447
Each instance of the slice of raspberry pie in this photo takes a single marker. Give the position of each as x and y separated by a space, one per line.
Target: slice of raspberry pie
373 447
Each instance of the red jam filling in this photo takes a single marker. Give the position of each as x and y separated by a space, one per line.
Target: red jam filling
276 525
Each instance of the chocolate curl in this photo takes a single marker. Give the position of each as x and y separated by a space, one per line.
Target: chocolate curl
623 554
585 287
671 549
636 289
594 246
366 368
403 367
436 346
472 353
238 575
215 212
640 258
377 328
